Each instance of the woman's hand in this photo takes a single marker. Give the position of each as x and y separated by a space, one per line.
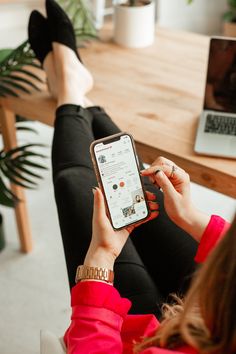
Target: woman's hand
175 183
106 243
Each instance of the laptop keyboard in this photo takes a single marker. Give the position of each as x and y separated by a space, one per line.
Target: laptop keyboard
220 124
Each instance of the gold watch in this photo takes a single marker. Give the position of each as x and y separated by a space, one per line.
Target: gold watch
86 272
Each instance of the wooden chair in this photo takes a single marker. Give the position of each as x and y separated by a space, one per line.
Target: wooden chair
31 110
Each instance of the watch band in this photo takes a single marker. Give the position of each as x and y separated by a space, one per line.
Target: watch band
86 272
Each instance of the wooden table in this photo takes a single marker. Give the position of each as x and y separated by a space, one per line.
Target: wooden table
154 93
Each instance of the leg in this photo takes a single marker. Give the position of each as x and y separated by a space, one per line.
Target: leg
74 177
73 174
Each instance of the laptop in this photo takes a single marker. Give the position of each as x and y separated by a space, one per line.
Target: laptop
216 134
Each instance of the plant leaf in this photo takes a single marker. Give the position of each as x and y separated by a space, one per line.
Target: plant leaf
14 180
29 73
12 170
22 79
28 129
25 170
4 53
12 167
12 61
22 148
7 91
30 153
32 164
7 198
15 85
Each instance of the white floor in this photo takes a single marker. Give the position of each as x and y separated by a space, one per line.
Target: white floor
33 288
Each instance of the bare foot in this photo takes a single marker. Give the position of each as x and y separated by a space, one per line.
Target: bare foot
73 78
49 68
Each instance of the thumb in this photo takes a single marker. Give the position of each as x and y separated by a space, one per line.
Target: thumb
165 184
99 208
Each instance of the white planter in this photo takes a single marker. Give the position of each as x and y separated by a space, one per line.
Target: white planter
134 26
203 16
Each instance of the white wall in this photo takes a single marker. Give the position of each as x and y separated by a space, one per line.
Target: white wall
203 16
13 21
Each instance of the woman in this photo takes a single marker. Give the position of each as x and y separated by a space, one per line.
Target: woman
157 258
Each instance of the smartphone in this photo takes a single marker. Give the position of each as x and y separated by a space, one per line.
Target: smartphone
117 170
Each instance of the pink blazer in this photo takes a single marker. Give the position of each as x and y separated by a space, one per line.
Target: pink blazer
100 322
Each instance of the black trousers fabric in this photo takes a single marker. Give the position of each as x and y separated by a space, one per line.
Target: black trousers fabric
158 257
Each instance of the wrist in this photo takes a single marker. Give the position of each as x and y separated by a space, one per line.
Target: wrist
99 257
194 222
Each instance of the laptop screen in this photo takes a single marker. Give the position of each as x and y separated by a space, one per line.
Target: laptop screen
220 91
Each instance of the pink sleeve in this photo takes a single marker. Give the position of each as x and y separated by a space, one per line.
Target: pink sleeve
97 316
214 231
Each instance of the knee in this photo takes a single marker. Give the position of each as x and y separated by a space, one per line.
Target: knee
64 178
74 182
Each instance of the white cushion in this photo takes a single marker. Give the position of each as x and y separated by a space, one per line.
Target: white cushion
50 344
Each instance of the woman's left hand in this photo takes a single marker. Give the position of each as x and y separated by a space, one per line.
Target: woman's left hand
106 243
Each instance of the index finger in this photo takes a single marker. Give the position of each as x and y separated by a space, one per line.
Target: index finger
177 173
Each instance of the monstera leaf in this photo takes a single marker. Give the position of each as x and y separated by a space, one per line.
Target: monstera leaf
19 167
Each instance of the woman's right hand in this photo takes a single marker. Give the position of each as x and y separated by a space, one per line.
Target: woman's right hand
175 184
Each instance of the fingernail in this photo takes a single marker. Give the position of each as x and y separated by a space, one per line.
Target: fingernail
157 171
94 189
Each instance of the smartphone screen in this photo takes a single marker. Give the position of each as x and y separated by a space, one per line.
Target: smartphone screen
119 174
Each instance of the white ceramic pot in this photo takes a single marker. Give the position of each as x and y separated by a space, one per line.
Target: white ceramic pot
203 16
134 26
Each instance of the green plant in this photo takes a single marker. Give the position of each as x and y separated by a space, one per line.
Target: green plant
15 73
19 166
230 15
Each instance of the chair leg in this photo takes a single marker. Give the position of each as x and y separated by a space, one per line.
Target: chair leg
7 120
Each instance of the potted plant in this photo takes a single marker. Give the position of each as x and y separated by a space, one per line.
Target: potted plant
229 28
134 23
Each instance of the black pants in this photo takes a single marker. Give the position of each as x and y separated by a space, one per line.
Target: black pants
157 258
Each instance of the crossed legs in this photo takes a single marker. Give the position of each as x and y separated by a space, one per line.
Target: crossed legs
158 256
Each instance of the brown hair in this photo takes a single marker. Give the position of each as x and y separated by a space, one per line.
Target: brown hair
206 318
